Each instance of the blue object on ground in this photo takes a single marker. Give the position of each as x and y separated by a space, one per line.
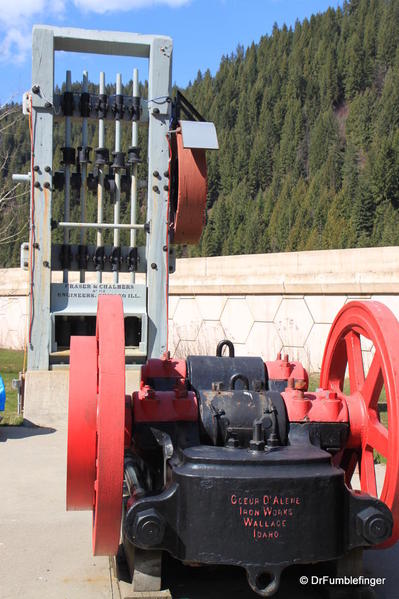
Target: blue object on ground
2 395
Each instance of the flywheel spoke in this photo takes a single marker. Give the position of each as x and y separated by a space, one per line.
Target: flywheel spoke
377 437
355 361
373 384
367 472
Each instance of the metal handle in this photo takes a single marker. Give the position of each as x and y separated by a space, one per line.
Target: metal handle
239 377
221 345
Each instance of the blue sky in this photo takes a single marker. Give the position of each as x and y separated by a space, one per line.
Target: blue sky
202 30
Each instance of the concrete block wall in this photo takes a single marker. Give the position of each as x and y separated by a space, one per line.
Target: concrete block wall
261 325
276 302
264 303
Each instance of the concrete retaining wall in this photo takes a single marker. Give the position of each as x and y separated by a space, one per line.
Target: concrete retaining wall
276 302
264 303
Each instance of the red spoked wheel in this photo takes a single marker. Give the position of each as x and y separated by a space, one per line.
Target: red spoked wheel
373 321
82 408
108 488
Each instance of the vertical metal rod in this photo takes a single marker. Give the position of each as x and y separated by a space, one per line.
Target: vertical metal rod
117 205
83 234
100 186
133 188
67 196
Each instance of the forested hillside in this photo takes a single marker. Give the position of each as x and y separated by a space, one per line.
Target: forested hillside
308 127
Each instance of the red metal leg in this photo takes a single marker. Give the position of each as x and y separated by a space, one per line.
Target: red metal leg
376 322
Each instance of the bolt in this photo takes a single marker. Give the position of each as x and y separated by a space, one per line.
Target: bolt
154 266
375 526
149 393
46 184
217 385
36 245
36 168
37 185
155 111
156 174
165 248
258 431
331 395
35 89
258 385
148 527
155 188
166 174
232 442
257 442
378 528
47 169
46 263
26 264
166 187
47 105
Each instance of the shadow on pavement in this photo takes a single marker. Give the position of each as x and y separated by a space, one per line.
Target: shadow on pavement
27 429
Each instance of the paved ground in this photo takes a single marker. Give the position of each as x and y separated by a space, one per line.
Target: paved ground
45 553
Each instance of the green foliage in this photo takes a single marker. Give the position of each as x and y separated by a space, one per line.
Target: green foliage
308 127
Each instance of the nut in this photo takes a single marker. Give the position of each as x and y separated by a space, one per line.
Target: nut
148 528
375 526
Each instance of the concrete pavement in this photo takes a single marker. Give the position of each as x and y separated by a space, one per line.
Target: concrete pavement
44 551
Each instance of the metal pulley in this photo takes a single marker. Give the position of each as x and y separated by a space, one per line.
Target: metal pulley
189 141
189 191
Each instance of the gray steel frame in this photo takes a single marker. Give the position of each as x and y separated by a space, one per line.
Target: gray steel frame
158 49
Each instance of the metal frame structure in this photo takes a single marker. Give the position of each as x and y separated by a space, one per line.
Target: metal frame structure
158 50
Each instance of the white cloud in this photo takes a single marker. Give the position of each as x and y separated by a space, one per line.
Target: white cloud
17 17
16 23
123 5
14 13
14 46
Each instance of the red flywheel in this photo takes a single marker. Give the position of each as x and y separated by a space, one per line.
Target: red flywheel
81 451
96 423
368 434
